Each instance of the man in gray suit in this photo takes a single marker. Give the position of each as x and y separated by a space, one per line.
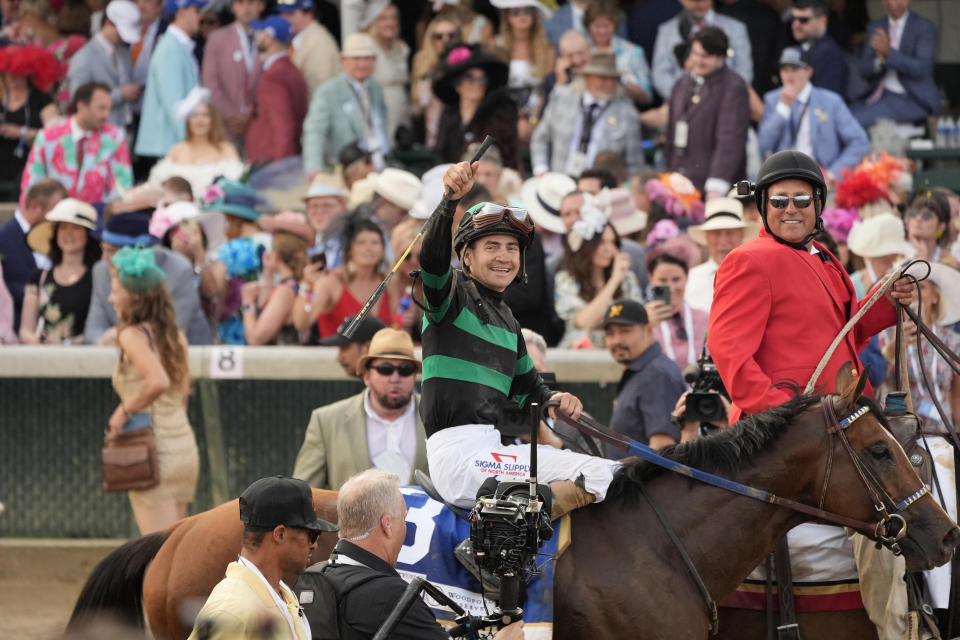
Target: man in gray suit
584 118
131 229
106 58
678 30
379 427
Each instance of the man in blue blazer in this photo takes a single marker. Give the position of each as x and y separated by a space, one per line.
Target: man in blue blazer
570 16
809 26
897 62
809 119
16 257
173 73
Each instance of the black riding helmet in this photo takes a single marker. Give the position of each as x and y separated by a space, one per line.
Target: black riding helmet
466 233
787 165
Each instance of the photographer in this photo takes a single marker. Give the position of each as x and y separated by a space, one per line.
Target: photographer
706 408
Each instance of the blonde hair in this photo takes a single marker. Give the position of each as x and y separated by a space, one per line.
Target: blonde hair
154 307
540 47
426 59
217 134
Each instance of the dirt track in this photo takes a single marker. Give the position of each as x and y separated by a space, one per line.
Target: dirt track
39 583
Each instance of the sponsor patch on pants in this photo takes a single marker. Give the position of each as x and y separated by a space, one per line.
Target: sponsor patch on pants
496 463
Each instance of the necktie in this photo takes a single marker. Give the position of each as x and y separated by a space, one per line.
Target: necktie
589 119
81 151
138 47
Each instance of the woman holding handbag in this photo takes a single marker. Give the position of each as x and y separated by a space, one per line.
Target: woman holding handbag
152 379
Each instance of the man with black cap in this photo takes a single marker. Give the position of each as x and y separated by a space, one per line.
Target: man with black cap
651 382
351 350
280 531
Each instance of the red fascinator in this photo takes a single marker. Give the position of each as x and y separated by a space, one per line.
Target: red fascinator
38 64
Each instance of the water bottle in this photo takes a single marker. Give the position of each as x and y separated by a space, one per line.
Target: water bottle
941 139
955 132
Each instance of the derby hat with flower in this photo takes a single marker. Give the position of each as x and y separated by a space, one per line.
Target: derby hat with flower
232 197
456 61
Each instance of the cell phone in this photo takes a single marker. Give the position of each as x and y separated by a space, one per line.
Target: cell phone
138 421
319 258
660 292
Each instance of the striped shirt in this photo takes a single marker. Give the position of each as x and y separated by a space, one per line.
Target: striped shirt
474 357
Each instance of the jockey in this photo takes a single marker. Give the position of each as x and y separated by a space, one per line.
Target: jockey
475 359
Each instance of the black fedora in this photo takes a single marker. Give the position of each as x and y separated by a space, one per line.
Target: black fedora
456 60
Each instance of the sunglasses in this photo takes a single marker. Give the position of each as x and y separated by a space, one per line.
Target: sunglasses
475 79
522 11
492 213
800 202
444 35
387 370
924 214
311 534
802 19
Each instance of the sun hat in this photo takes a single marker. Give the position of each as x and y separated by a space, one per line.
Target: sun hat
326 185
358 45
289 6
127 230
431 191
881 235
503 5
456 61
365 331
67 210
274 501
542 196
275 27
400 187
601 63
125 16
289 222
165 218
389 343
617 205
137 269
722 213
947 280
232 197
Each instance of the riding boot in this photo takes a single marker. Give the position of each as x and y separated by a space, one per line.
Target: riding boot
567 496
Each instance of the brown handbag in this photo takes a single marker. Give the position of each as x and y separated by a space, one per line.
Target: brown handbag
130 461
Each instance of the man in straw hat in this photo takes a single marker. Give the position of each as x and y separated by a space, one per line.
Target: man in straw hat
379 427
583 119
475 358
347 108
722 231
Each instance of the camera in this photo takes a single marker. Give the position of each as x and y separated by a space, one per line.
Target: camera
703 402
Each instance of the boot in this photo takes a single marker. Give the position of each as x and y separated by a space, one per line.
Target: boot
567 496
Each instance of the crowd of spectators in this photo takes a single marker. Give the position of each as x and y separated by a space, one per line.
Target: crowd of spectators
274 159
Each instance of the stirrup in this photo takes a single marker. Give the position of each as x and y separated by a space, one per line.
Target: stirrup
490 583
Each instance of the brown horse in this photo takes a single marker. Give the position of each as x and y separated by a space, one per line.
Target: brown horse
784 451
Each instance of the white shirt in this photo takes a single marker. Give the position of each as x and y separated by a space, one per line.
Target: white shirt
891 81
278 600
397 437
596 135
246 46
182 37
803 142
43 262
106 44
576 19
298 39
699 291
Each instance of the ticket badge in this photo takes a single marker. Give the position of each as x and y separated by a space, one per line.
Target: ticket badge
576 163
681 134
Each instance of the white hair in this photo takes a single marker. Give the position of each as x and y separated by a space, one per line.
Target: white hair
364 499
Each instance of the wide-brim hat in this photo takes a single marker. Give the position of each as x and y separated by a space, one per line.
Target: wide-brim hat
457 60
389 343
289 222
722 213
358 45
326 185
503 5
881 235
601 63
947 280
165 218
70 210
400 187
542 197
618 207
431 191
232 197
130 229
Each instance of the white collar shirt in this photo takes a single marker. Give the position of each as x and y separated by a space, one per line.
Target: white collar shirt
803 141
247 46
596 135
43 262
391 437
891 81
576 18
182 37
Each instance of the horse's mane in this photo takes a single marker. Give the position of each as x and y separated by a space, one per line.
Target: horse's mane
722 454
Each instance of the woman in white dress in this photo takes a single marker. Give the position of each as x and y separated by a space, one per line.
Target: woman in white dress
205 154
392 69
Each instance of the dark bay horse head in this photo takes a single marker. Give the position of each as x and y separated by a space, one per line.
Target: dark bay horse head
879 462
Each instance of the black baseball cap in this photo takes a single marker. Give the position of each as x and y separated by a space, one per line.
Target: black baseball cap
625 311
364 333
270 502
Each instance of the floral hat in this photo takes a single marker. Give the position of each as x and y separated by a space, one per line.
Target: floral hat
838 222
165 218
592 222
232 197
38 64
457 61
137 269
677 195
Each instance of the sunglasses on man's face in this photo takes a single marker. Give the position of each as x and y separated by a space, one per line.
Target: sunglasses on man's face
387 370
802 19
312 535
800 202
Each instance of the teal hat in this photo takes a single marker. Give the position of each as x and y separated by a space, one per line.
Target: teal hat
137 269
233 197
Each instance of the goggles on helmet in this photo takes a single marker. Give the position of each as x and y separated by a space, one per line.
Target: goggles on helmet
491 213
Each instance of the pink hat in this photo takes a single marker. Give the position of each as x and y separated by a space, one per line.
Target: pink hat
289 222
617 205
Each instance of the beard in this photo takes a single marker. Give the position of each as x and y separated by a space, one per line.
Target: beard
393 402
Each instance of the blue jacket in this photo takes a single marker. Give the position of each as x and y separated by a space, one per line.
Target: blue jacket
838 140
173 73
18 263
829 65
913 61
562 20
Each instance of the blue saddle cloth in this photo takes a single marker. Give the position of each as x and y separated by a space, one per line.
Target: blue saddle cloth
433 531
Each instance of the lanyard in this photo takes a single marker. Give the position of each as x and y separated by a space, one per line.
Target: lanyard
667 335
794 130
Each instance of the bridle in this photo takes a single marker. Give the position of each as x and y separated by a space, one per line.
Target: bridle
892 527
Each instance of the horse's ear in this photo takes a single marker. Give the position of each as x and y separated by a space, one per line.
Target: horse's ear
849 387
845 378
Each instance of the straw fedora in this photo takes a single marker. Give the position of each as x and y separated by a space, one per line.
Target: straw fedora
881 235
601 63
722 213
542 197
326 185
617 205
289 222
67 210
389 343
358 45
400 187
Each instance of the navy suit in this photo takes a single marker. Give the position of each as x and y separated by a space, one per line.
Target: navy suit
829 65
913 61
18 264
